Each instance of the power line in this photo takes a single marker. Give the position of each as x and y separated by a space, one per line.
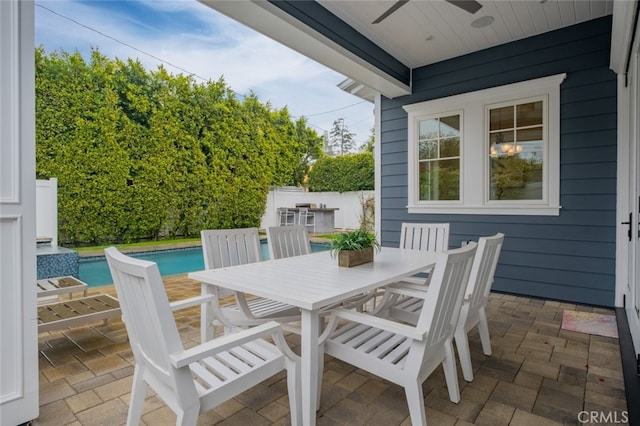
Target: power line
121 42
337 109
179 67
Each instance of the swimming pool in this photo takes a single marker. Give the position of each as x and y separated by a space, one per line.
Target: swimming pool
95 272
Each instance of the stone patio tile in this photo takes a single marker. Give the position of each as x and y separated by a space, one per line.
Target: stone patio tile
499 368
473 394
512 356
524 418
545 369
54 391
575 336
393 400
113 412
573 376
82 401
437 417
601 393
514 396
71 368
559 400
465 409
528 380
613 371
259 396
55 413
495 413
228 408
331 395
352 381
275 411
483 383
93 382
80 377
114 389
368 392
570 358
350 412
535 339
106 364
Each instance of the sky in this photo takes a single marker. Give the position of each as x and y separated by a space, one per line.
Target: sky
188 37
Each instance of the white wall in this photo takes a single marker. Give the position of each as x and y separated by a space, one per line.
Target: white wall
348 203
47 210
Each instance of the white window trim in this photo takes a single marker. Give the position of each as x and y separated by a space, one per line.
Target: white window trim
474 149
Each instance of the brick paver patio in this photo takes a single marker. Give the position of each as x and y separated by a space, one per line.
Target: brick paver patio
538 375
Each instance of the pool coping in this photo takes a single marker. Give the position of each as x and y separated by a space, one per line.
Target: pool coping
172 246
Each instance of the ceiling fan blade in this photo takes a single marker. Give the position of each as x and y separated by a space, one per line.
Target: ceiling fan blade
397 5
470 6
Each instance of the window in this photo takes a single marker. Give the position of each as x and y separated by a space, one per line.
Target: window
516 151
494 151
439 158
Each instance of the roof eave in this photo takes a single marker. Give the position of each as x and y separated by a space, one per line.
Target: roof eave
271 21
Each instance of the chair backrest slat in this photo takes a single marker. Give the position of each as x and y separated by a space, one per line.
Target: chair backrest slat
425 236
484 268
146 313
288 241
230 247
441 308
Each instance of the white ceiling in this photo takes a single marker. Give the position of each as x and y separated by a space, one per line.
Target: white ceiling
404 33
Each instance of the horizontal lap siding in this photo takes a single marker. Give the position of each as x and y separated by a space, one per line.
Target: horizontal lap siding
567 257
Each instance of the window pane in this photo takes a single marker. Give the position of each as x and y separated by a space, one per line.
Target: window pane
529 114
450 126
428 150
515 178
501 118
450 147
439 180
428 129
501 137
532 134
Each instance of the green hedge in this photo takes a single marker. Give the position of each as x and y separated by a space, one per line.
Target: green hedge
352 172
141 154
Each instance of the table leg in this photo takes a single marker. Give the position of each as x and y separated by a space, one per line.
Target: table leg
310 359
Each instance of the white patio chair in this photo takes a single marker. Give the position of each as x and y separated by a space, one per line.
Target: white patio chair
230 247
307 218
403 354
191 381
286 216
473 313
424 236
415 236
287 241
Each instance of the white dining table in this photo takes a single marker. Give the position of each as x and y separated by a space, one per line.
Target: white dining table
311 282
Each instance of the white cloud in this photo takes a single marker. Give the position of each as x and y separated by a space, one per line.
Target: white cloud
215 47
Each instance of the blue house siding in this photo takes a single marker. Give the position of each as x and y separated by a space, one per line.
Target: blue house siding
569 257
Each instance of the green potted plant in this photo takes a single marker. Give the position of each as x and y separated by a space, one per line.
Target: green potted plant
354 248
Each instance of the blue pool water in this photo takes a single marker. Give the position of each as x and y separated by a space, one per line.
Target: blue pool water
95 272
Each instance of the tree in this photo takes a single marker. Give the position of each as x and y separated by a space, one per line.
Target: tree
341 140
369 145
312 145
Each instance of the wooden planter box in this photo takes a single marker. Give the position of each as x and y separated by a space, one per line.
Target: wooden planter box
354 258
